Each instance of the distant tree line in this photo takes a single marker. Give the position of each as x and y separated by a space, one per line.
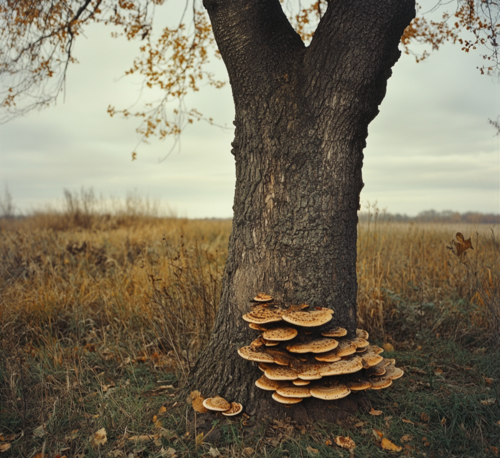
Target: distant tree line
433 216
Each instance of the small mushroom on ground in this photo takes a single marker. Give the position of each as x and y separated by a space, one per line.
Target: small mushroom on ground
284 400
235 409
216 403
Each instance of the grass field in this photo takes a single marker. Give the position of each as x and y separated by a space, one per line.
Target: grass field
102 317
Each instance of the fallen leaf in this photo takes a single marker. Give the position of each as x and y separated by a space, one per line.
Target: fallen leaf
386 444
438 371
198 406
312 451
215 452
116 453
195 394
107 387
163 409
345 442
498 422
375 412
8 438
408 421
170 452
388 418
424 417
155 418
39 431
489 402
488 380
406 438
328 442
443 421
378 434
4 447
494 450
144 437
388 347
41 455
359 424
72 435
99 438
248 451
199 438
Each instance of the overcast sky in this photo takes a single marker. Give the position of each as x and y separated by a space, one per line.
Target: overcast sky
431 146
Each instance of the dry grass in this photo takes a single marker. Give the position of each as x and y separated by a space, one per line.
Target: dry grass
86 298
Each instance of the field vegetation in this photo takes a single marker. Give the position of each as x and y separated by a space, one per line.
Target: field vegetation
102 315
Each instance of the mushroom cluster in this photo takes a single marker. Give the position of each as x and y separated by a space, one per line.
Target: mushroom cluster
300 360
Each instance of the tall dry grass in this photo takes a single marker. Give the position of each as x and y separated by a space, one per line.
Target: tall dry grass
133 285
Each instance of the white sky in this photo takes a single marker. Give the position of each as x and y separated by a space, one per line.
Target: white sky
430 147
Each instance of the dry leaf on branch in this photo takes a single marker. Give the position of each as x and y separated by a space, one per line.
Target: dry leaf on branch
462 245
345 442
386 444
99 438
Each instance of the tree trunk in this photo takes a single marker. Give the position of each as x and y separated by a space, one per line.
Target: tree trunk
302 118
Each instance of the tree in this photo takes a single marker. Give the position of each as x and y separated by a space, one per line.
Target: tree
302 116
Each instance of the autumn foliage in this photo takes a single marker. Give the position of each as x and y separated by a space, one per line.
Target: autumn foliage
38 39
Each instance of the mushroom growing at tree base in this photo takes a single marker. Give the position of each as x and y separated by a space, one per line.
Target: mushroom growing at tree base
308 361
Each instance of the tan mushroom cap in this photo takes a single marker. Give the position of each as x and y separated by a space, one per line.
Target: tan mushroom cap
375 371
370 357
257 327
264 366
329 393
359 385
259 356
361 343
346 347
308 319
263 297
328 357
284 400
271 343
257 343
361 333
385 362
335 332
235 409
375 349
300 382
314 346
216 403
267 384
294 391
281 373
345 366
280 334
381 383
311 371
262 315
297 308
393 372
282 358
361 350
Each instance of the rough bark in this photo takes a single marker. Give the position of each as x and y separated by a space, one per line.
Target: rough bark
302 118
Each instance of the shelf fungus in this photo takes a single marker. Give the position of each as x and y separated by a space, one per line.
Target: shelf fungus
310 358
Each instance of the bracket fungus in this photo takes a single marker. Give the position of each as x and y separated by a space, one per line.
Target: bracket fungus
308 360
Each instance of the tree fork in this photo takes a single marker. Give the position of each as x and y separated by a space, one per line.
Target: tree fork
301 119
